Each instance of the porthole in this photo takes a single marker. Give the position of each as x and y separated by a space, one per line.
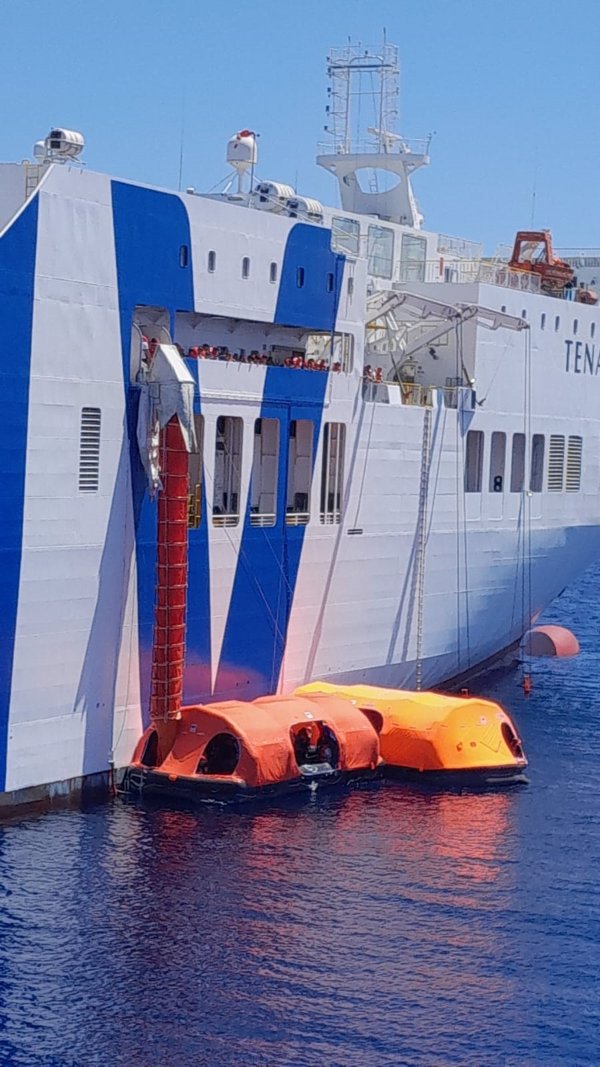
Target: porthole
300 277
212 262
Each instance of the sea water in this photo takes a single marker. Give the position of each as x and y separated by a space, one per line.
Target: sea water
377 926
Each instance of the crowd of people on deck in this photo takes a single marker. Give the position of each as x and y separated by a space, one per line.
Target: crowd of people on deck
298 361
224 355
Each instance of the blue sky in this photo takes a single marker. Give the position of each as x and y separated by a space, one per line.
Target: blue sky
511 90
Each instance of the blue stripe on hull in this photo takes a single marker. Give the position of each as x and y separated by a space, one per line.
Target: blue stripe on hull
269 559
314 303
17 279
150 228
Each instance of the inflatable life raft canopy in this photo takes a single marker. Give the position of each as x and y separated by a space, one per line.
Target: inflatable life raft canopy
265 742
430 732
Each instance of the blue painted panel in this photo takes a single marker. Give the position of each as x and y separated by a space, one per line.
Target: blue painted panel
308 249
269 559
17 276
150 228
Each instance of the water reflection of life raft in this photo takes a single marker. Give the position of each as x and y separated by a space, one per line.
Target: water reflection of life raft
324 735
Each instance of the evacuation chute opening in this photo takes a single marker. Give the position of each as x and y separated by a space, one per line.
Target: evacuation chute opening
512 740
374 717
315 742
150 753
221 755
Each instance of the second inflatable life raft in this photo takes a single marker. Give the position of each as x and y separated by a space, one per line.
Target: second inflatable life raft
430 734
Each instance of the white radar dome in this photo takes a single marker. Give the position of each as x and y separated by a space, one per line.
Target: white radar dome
241 151
64 144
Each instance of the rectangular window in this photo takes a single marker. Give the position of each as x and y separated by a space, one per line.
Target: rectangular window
497 462
556 463
517 466
195 468
536 479
380 251
413 256
228 471
89 450
474 461
332 472
300 460
574 456
345 236
263 488
245 267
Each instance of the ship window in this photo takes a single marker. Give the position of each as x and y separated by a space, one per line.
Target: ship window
89 450
273 273
517 466
195 469
574 454
474 461
345 236
245 267
183 256
557 322
536 478
228 471
592 329
543 321
380 251
299 477
330 282
332 472
263 489
503 308
575 325
556 463
413 255
212 262
523 313
350 285
497 461
300 277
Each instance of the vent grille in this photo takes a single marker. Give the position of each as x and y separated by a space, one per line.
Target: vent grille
556 463
574 454
89 450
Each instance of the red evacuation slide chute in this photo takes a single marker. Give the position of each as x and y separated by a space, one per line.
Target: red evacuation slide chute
168 649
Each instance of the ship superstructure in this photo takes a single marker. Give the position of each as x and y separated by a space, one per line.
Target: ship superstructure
395 439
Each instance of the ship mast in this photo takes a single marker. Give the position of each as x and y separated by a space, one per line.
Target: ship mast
361 115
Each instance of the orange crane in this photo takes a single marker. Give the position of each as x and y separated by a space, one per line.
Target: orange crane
533 252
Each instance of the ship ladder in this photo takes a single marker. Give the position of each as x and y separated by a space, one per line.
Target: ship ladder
422 542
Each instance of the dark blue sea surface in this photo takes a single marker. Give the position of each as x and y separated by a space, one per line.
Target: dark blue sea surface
380 926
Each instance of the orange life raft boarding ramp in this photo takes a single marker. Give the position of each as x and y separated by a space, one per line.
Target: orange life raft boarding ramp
461 739
239 750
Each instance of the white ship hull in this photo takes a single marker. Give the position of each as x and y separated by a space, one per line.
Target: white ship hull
436 581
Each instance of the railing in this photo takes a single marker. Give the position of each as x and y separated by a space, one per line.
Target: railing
264 519
297 518
580 257
401 146
413 394
226 520
464 271
457 246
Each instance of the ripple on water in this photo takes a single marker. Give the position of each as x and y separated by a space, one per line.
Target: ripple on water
382 926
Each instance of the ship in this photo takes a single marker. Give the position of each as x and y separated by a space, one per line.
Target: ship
390 439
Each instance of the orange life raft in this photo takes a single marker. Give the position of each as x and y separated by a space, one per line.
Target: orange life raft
430 734
238 750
